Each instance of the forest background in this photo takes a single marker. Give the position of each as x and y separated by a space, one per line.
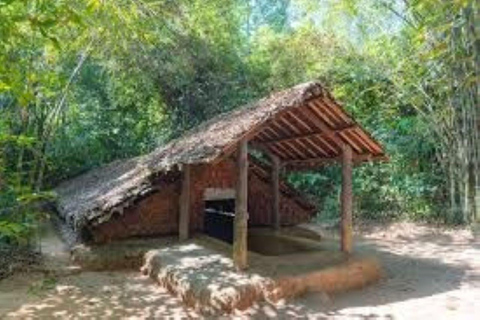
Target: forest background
86 82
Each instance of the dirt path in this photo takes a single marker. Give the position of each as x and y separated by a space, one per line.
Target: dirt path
430 274
60 291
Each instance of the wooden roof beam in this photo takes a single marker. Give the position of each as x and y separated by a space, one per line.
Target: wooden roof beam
309 135
319 162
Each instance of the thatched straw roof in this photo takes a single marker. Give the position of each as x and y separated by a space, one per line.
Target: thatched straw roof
99 192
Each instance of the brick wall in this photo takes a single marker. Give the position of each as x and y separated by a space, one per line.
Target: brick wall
158 213
223 175
260 199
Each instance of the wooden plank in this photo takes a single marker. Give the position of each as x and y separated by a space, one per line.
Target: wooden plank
352 143
327 110
278 151
310 163
374 144
270 132
307 135
357 140
323 141
347 200
240 223
289 147
287 124
328 133
365 145
299 147
319 121
184 205
322 114
262 136
292 143
297 154
366 136
287 152
276 192
309 147
278 130
357 158
337 109
315 146
302 116
272 135
300 121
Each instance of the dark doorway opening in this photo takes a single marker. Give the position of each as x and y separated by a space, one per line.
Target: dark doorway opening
219 216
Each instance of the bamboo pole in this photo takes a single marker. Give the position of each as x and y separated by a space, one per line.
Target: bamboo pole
347 200
241 205
184 211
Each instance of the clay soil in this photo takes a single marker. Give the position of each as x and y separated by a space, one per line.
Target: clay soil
430 273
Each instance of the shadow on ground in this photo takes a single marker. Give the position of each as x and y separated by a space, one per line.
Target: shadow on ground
426 275
101 295
415 268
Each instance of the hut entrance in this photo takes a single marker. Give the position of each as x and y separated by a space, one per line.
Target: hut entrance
219 216
219 213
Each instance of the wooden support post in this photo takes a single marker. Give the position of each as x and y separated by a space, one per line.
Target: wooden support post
276 192
241 206
347 201
184 211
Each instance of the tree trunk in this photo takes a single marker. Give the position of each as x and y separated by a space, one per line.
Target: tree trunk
453 193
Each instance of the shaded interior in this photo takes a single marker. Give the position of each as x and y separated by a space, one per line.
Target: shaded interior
268 243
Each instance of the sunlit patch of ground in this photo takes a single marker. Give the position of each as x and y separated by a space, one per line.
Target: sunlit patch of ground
90 295
430 274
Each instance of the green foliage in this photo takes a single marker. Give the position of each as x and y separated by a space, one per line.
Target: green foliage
83 83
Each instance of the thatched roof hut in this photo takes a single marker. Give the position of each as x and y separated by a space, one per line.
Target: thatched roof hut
301 127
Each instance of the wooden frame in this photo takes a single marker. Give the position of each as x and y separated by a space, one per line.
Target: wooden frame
184 205
240 226
347 200
276 192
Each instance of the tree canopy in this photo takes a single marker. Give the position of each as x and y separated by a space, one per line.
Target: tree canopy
83 83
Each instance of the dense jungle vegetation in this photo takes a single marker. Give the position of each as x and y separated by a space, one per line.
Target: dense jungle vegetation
85 82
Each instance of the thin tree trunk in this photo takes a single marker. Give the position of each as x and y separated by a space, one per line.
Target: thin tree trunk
453 192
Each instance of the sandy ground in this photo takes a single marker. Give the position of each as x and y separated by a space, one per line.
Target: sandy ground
430 274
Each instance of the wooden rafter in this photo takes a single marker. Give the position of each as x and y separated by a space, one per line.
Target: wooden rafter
308 135
300 121
357 158
329 145
315 147
351 142
313 135
315 109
